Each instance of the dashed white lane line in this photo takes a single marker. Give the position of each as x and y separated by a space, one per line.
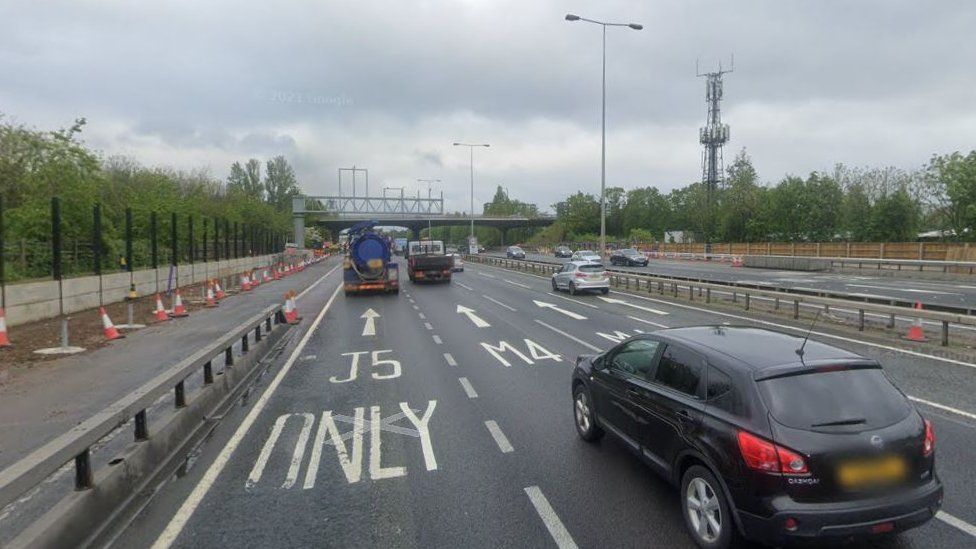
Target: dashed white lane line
422 316
500 439
549 517
486 275
416 308
638 319
468 389
496 302
593 348
410 299
943 407
190 504
576 301
428 326
956 522
437 339
466 287
519 284
450 359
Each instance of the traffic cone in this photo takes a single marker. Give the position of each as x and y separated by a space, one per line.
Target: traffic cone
915 332
109 328
255 280
245 283
220 291
4 340
160 310
267 277
277 272
737 261
211 300
291 309
179 311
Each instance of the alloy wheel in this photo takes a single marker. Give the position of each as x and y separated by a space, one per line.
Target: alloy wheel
703 510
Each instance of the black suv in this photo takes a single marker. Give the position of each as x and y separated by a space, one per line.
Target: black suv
629 257
514 252
769 436
563 251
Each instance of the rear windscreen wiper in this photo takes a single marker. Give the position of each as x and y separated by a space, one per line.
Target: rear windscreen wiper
852 421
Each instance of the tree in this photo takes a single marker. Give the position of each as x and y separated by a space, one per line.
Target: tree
246 179
739 201
894 218
280 183
579 213
951 180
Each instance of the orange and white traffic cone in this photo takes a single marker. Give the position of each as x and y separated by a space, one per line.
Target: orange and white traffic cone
915 332
110 331
179 311
255 279
160 311
737 261
211 300
220 291
245 283
4 340
277 272
267 277
291 309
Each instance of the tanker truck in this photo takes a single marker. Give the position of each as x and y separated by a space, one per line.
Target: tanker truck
367 266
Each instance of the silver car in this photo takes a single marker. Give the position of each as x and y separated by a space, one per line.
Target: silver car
587 255
577 276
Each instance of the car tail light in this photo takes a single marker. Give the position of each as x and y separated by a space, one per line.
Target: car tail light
762 455
929 446
580 275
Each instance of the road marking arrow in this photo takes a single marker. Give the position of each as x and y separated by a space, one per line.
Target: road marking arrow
478 321
622 302
552 306
369 329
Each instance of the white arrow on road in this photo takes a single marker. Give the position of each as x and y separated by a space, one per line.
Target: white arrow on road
552 306
622 302
369 329
478 321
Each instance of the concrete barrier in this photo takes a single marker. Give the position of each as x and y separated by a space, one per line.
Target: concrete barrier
786 263
31 301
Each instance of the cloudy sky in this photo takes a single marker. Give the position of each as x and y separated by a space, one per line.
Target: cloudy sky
390 85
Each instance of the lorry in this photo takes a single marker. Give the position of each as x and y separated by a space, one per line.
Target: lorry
426 261
367 265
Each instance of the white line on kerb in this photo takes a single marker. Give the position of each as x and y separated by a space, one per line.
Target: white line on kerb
450 359
437 339
496 302
956 522
593 348
466 287
500 439
190 504
548 515
468 388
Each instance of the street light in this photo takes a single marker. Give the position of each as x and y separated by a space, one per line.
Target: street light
603 125
428 182
471 147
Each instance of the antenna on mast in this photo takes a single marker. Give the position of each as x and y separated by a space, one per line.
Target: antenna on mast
799 352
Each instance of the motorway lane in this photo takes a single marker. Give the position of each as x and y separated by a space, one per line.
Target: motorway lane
601 494
929 292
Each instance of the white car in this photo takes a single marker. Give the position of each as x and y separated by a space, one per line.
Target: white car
586 255
576 276
458 264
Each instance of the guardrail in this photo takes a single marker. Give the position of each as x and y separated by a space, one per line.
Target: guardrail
680 285
168 440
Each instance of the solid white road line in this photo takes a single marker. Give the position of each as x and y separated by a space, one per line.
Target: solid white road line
450 359
316 283
496 302
956 522
467 387
576 301
656 324
593 348
500 439
190 504
519 284
469 288
437 339
943 407
548 515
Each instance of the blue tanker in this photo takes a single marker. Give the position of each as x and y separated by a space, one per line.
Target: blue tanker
367 266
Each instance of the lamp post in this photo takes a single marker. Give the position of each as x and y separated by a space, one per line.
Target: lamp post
603 125
428 182
471 147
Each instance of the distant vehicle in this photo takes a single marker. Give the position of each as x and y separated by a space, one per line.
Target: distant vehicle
367 266
451 250
458 264
481 249
399 244
628 257
514 252
587 255
563 251
426 261
769 436
576 276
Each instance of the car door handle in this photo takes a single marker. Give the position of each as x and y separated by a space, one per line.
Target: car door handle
684 415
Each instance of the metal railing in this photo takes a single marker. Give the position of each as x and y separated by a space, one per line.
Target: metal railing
77 443
678 286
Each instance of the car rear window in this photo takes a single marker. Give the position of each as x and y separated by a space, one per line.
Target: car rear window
859 399
592 268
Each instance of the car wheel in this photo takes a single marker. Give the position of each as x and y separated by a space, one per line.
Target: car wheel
586 428
604 291
554 287
706 512
572 288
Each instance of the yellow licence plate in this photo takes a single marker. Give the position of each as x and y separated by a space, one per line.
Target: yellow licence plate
854 474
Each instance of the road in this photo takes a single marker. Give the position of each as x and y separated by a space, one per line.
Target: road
876 288
452 427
